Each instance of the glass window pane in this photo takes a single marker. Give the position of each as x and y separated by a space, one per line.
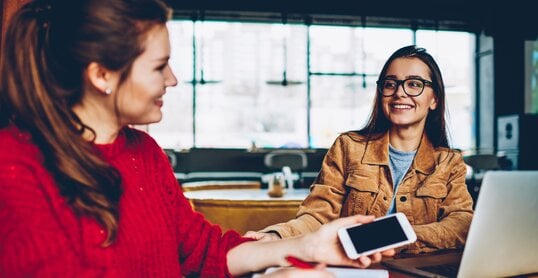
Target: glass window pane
380 43
335 49
175 129
454 52
339 104
250 104
342 103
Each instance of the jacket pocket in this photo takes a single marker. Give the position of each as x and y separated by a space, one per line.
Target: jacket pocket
428 201
364 182
433 190
362 190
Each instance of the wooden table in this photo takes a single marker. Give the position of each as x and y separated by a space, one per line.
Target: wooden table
246 209
253 209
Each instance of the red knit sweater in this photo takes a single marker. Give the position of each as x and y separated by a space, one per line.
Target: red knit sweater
159 235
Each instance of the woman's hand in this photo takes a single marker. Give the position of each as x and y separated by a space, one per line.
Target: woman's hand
320 246
262 236
323 245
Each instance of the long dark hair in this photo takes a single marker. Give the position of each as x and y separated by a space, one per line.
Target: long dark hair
48 45
435 127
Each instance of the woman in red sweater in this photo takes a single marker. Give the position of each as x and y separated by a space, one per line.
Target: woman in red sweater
81 193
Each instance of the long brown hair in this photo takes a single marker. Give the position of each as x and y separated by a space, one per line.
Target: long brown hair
48 45
435 127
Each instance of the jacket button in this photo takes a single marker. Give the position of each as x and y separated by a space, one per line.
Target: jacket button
403 199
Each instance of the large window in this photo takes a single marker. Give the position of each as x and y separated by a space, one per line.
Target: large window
289 85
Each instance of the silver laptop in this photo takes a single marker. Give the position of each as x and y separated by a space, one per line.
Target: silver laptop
503 238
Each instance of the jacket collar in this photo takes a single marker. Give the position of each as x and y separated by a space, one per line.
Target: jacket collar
377 152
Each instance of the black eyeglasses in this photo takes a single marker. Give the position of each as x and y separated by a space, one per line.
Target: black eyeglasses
412 87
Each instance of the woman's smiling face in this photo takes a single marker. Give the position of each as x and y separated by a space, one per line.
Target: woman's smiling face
141 98
402 110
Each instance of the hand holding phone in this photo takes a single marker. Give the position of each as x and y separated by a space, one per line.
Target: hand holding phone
383 233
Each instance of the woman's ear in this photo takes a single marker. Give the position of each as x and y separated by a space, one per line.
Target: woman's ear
99 77
433 104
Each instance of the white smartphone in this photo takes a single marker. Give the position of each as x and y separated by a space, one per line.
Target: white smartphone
383 233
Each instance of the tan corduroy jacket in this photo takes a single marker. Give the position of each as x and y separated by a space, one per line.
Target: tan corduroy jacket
355 178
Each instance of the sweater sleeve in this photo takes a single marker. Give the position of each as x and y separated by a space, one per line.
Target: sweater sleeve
202 246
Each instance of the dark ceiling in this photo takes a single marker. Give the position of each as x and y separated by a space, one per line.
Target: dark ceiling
515 18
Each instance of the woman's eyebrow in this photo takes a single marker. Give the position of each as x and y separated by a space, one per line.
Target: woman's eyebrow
162 59
414 76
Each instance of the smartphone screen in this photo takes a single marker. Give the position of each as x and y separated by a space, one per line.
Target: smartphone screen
376 234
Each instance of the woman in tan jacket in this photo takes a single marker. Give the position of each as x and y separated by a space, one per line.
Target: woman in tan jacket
399 162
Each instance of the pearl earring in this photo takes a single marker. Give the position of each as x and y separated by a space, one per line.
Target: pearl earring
108 91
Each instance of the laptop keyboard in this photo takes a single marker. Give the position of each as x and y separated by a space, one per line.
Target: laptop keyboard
448 270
